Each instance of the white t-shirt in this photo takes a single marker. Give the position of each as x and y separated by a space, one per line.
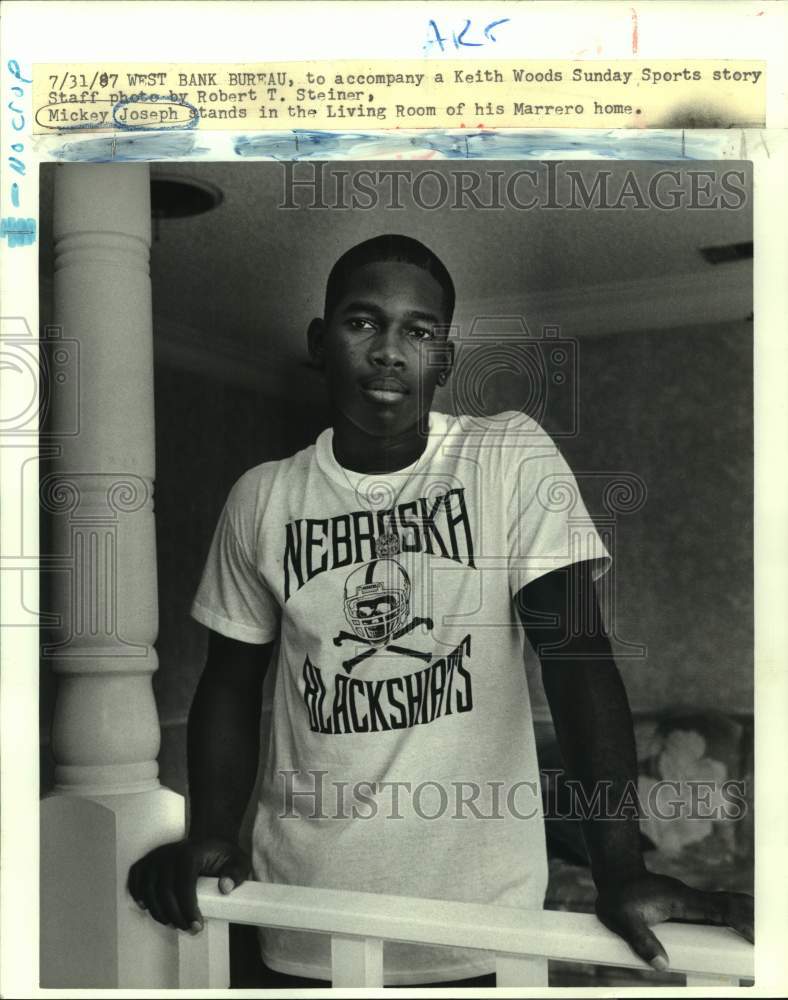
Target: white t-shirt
400 754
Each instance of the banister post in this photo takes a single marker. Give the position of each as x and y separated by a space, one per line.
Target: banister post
107 807
204 958
356 961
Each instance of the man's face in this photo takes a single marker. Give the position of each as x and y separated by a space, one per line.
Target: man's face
379 346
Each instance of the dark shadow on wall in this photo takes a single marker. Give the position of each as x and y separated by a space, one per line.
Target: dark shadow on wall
207 434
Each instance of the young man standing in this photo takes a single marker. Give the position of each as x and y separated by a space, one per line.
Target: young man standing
392 571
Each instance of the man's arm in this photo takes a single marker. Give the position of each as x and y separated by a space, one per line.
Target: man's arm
593 723
223 742
223 749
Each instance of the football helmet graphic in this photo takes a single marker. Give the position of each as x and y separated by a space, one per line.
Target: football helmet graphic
377 599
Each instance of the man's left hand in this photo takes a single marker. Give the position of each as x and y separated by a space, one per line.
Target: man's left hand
631 908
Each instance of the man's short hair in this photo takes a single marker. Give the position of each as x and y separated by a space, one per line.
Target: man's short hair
389 247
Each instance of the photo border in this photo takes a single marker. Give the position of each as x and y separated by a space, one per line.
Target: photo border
29 39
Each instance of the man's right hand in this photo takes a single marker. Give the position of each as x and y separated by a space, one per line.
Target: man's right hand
164 882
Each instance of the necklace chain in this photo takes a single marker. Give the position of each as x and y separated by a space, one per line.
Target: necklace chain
387 543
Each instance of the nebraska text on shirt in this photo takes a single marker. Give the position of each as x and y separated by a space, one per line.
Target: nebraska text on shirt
436 525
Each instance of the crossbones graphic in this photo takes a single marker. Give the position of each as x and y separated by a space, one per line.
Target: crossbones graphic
376 606
345 636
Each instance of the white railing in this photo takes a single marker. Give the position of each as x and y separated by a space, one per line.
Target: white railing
521 941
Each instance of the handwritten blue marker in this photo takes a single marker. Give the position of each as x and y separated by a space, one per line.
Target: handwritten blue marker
459 38
167 145
15 71
20 232
494 24
488 144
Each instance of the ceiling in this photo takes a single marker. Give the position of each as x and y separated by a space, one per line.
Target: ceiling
237 286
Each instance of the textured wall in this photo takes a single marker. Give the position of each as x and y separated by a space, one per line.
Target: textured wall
675 408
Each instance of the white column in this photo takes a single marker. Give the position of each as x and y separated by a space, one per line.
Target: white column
108 807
